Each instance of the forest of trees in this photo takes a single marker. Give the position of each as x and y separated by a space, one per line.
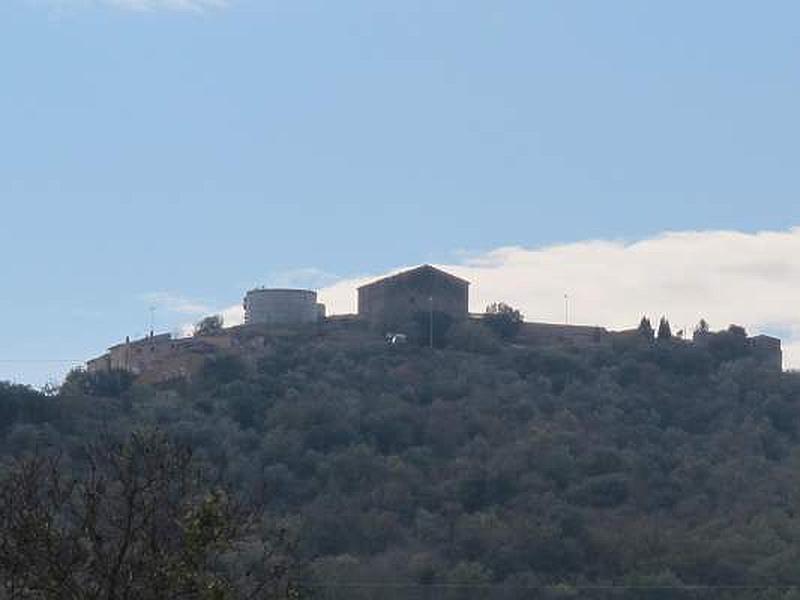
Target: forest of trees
334 469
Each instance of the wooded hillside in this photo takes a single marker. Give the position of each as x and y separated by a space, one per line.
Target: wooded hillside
643 464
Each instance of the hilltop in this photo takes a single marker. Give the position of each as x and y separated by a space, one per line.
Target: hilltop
159 359
425 305
486 461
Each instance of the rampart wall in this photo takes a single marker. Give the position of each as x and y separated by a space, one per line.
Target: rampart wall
162 358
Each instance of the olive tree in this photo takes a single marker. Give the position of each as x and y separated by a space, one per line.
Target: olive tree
503 320
209 325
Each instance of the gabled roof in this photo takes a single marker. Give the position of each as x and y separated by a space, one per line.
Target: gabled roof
150 339
418 271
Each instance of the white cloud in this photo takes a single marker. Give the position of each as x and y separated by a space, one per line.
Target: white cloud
304 277
233 315
722 276
175 303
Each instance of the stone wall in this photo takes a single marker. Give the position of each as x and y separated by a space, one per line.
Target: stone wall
550 334
393 303
161 355
768 350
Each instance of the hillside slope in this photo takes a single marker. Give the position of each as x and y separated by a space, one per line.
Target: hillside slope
641 463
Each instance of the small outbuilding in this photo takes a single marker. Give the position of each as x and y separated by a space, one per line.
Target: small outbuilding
392 303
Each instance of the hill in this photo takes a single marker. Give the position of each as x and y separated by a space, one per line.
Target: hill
635 463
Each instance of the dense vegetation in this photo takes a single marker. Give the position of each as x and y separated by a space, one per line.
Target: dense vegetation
646 463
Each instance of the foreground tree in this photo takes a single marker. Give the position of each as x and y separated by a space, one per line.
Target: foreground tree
503 319
137 522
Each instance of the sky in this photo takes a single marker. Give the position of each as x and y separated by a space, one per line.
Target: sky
640 157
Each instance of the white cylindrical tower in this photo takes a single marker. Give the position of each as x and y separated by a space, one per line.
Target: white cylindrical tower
281 307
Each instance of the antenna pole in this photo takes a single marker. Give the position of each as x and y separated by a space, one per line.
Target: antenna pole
430 323
152 320
566 309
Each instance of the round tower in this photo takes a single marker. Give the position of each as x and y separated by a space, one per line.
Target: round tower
271 306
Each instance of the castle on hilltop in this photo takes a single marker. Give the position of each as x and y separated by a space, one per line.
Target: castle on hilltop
390 304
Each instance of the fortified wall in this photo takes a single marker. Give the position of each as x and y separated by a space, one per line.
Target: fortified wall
389 304
765 349
553 334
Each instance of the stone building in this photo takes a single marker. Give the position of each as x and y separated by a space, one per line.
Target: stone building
161 358
768 350
393 303
152 353
264 306
133 355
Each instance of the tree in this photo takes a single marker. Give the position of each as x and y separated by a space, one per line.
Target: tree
503 319
646 328
112 383
702 329
137 522
664 330
222 369
209 325
471 336
737 331
731 344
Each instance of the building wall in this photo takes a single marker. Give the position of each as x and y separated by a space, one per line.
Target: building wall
768 350
282 307
139 355
393 303
161 358
101 363
549 334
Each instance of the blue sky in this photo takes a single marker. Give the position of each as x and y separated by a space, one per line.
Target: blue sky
198 151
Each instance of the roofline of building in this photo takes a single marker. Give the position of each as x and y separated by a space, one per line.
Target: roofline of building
159 337
266 289
408 272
